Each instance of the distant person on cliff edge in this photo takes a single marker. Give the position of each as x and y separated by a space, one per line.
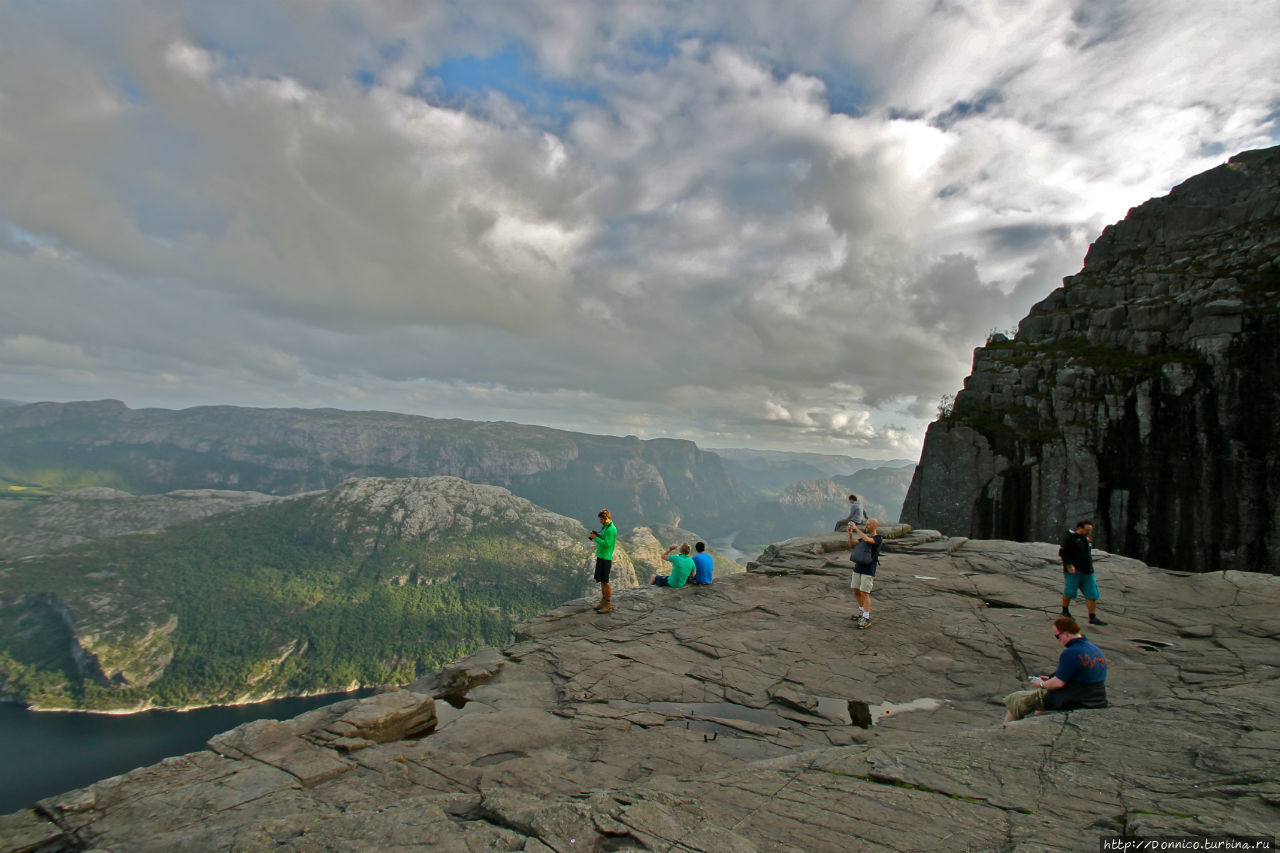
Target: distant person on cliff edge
703 566
865 558
1080 680
1077 570
605 538
681 568
857 514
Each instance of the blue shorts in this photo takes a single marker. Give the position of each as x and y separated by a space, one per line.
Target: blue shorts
1077 582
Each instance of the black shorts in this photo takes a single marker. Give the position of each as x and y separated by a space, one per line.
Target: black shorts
603 567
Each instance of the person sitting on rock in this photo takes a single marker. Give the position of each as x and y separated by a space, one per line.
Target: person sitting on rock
857 514
1080 680
681 567
703 566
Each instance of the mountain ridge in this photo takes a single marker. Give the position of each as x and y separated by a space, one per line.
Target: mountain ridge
286 451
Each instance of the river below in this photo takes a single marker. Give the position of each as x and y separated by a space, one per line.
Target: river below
46 753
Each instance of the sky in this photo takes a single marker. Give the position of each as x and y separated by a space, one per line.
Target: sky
745 223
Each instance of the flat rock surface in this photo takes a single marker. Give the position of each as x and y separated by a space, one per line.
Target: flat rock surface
751 715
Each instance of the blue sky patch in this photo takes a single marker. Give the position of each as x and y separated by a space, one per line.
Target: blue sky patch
513 72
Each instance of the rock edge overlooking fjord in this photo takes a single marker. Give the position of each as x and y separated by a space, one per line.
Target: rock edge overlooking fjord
751 716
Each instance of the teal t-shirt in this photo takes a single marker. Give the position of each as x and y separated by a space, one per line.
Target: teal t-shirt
681 568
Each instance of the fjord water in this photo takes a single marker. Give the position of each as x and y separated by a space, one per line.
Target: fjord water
45 753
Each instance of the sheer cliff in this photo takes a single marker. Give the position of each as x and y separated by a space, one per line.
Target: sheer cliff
1141 393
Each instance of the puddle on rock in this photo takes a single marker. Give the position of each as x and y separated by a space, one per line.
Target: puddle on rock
835 709
877 713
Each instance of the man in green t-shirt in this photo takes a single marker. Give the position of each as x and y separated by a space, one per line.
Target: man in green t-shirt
681 567
605 538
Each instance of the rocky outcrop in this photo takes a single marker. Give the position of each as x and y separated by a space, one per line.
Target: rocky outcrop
373 513
83 515
749 715
289 451
1140 394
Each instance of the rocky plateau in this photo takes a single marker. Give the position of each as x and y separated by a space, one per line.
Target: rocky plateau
750 715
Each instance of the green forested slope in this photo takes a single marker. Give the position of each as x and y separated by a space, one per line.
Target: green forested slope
374 582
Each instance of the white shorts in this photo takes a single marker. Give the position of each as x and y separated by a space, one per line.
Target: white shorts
862 582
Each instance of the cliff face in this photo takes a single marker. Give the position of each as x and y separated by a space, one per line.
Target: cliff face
750 715
1141 394
287 451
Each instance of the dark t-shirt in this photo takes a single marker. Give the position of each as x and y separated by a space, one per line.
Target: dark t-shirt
870 568
1077 551
1083 667
1082 661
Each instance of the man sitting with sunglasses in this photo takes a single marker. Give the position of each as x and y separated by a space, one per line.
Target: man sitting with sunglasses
1080 680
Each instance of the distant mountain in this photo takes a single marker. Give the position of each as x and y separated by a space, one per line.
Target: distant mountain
83 515
374 581
4 403
813 506
49 447
771 471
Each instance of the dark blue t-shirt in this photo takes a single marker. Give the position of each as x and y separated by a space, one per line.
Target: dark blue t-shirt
1083 662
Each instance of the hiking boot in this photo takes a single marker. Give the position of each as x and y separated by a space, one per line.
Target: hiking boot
1066 611
1094 620
605 607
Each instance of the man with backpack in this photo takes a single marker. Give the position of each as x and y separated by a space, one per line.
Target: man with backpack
865 558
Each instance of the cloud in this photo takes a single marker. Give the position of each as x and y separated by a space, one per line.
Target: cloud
712 220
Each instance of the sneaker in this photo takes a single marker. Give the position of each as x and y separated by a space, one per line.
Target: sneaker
1066 612
1094 620
864 622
